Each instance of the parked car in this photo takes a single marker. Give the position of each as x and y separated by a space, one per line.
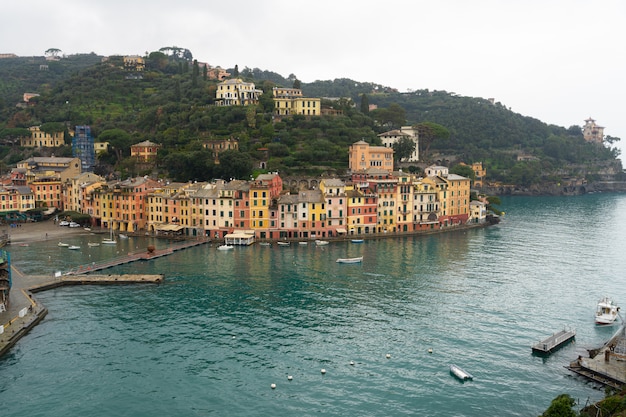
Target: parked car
74 224
64 223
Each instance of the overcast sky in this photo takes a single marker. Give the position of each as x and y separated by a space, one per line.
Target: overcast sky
560 61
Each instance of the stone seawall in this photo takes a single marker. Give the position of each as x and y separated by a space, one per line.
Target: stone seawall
554 189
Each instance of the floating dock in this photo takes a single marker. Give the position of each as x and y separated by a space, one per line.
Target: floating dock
554 342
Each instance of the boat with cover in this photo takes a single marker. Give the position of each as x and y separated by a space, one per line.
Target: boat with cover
606 311
460 373
350 260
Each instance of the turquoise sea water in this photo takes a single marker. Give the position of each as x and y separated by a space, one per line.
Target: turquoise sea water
226 325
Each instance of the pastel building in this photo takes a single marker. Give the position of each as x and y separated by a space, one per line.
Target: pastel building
334 191
592 132
288 101
145 151
363 156
393 136
236 92
40 139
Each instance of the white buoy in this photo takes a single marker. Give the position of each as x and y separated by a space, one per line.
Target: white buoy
387 356
273 386
323 371
233 337
289 377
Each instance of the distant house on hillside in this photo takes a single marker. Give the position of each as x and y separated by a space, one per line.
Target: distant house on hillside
145 151
362 156
289 101
134 63
236 92
39 139
218 146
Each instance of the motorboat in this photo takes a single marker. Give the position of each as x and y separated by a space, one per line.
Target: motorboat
265 244
357 241
321 242
350 260
303 243
73 247
63 245
225 247
93 244
460 373
606 311
282 243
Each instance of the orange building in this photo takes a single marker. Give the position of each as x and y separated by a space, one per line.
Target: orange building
363 156
145 151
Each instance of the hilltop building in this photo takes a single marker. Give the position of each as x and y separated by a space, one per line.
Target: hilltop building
236 92
134 63
288 101
221 145
592 132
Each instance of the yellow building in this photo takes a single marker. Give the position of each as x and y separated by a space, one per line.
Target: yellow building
236 92
39 139
458 197
134 63
16 198
363 156
288 101
100 147
77 190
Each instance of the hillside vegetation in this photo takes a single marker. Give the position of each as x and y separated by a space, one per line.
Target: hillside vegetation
172 103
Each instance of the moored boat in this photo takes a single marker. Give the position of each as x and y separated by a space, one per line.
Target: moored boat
321 242
606 311
93 244
356 240
63 245
225 247
73 247
460 373
350 260
265 244
282 243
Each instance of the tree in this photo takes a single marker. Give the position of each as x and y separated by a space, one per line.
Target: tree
464 171
236 71
561 406
234 164
119 142
52 52
297 84
428 132
365 104
403 148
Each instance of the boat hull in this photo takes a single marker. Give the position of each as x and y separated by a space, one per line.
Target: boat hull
350 260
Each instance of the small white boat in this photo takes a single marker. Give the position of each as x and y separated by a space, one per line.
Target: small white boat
350 260
123 236
460 373
225 247
282 243
265 244
303 243
606 311
109 242
73 247
357 241
87 229
63 245
93 244
321 242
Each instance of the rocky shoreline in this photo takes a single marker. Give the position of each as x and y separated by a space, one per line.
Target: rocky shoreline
556 189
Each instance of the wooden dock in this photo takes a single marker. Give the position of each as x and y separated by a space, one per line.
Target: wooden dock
554 342
144 255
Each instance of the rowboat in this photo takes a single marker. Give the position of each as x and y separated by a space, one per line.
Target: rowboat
350 260
73 247
282 243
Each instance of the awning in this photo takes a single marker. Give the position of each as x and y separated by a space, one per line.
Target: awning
340 230
169 227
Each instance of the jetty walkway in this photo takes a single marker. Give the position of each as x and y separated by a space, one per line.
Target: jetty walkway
143 255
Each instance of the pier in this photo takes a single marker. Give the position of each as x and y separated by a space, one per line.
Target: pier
143 255
554 342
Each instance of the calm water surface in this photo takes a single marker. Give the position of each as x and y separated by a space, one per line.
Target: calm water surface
226 325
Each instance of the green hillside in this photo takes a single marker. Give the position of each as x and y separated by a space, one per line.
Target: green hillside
171 103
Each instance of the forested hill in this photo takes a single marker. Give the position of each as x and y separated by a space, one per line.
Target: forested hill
171 103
